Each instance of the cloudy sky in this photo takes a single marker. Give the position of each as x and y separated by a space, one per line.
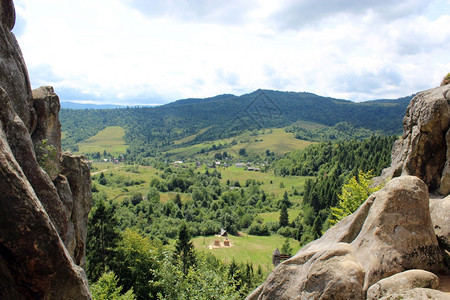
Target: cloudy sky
157 51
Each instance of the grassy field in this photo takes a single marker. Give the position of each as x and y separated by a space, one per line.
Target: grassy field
144 174
109 139
191 137
276 140
246 248
271 184
275 216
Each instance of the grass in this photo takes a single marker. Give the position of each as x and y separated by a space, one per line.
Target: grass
246 248
276 140
109 139
145 173
191 137
271 184
275 216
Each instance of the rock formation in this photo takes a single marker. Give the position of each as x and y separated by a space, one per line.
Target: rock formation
390 233
422 151
45 196
395 230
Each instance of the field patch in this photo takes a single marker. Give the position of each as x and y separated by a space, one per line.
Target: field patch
109 139
246 248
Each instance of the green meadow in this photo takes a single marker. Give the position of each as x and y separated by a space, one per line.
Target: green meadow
246 248
276 140
109 139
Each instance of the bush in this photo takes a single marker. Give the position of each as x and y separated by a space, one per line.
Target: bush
258 229
446 80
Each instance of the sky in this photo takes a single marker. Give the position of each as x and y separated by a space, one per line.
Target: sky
137 52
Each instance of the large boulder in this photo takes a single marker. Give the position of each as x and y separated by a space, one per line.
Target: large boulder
440 216
402 282
37 220
390 233
424 149
418 293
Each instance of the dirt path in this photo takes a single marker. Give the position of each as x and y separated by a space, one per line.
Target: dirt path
95 173
98 172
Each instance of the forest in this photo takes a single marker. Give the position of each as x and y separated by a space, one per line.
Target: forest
141 247
150 210
149 131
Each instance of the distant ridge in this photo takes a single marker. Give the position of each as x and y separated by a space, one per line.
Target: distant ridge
75 105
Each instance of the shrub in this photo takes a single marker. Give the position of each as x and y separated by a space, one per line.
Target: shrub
446 80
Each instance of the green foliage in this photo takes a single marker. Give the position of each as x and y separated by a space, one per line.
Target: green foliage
184 248
46 156
106 288
354 193
339 132
446 80
151 130
286 248
102 238
284 216
135 263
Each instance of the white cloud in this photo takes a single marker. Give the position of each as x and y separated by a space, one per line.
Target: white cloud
137 52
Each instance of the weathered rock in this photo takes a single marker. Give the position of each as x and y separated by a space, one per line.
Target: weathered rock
390 233
14 79
418 293
402 282
47 135
33 261
423 150
397 234
76 169
440 216
34 219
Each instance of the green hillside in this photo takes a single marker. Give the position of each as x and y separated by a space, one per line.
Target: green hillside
152 130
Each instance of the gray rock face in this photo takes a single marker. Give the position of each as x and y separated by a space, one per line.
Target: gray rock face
440 215
14 79
36 222
47 135
390 233
402 282
76 169
424 149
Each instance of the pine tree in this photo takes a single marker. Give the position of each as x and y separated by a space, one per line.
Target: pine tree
102 238
184 248
284 216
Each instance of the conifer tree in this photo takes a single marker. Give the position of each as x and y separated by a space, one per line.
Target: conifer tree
184 248
284 216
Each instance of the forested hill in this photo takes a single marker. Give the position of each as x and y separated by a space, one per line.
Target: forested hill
227 115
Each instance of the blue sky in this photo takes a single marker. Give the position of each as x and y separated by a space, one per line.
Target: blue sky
138 52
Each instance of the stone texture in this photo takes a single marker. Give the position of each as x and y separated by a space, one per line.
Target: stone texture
402 282
440 216
14 79
390 233
48 127
423 149
76 169
36 220
418 293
